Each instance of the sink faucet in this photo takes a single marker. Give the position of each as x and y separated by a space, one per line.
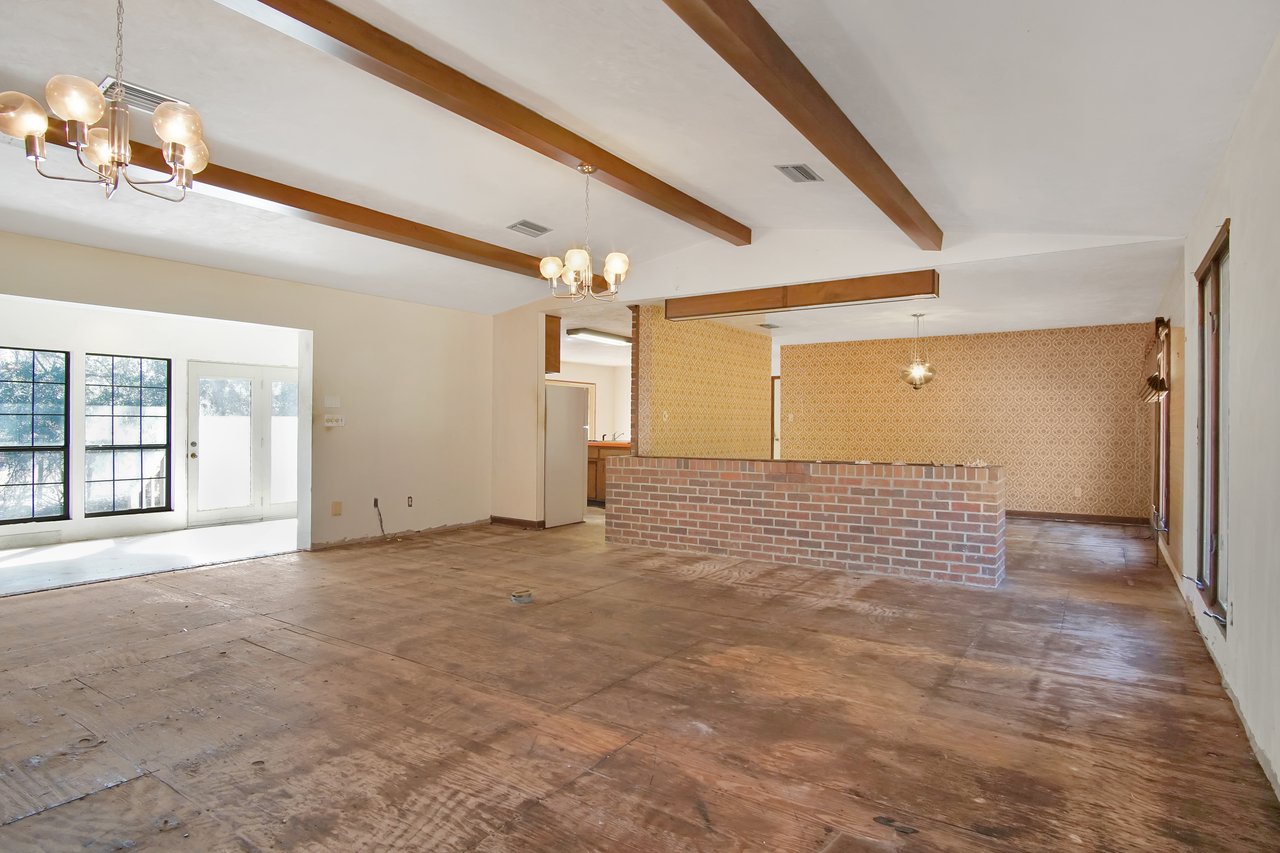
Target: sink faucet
615 435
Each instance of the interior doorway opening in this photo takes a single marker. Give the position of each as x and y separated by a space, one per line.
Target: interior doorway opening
111 402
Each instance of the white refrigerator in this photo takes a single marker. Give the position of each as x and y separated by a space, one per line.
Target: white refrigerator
565 480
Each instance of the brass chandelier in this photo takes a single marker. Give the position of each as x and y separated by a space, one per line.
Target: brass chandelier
572 277
104 150
919 372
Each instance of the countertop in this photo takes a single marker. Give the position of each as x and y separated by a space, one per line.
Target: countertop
608 444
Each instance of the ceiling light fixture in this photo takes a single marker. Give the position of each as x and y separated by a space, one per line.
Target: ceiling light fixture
104 151
571 277
919 372
599 337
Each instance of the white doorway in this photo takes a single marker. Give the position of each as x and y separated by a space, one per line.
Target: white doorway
242 443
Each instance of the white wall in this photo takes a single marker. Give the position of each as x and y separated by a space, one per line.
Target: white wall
415 382
613 395
1246 188
519 414
81 329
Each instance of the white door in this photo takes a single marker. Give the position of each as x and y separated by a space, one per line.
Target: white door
242 443
565 483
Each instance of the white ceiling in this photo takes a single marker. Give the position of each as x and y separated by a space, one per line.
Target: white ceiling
1045 133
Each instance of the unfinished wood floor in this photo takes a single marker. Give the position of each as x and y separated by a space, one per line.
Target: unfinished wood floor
390 696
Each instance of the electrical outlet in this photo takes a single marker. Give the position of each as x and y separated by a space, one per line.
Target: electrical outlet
410 500
375 503
335 508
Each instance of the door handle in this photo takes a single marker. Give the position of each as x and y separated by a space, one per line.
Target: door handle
193 456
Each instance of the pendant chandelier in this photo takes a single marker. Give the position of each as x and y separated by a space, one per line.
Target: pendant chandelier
572 276
919 372
104 150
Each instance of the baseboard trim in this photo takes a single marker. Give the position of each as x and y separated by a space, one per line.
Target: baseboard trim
391 537
518 522
1074 516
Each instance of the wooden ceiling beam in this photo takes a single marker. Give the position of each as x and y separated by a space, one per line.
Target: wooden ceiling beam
743 38
340 34
892 287
304 204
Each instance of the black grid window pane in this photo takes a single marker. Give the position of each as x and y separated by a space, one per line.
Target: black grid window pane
33 435
126 434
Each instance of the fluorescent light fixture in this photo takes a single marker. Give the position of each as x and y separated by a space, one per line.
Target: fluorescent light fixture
599 337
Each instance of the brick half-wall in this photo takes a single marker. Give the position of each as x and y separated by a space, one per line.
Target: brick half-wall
942 523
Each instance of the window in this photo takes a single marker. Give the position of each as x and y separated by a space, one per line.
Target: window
1212 277
126 406
33 435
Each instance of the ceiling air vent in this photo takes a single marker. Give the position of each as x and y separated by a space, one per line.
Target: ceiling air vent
528 229
769 325
800 173
138 96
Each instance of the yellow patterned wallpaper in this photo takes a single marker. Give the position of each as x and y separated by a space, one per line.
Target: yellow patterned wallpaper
704 389
1058 408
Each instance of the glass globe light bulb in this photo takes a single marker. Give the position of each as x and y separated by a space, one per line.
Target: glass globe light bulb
21 116
175 122
616 263
97 149
550 268
74 98
577 260
196 157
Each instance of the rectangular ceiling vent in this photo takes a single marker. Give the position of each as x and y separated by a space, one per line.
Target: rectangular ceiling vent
800 173
137 96
529 229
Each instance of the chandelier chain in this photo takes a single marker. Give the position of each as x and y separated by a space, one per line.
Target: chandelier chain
587 175
119 84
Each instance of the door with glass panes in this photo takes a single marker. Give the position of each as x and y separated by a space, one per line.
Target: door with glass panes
242 443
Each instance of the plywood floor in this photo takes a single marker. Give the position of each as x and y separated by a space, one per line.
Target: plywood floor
391 697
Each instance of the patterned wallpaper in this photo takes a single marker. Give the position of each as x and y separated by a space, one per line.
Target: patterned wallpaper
703 390
1058 408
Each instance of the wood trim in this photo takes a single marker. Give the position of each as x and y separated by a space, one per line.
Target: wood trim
1080 517
1215 248
918 284
313 207
517 522
635 379
342 35
743 38
552 346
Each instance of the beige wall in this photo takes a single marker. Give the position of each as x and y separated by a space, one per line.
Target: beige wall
1246 188
1177 441
414 381
1058 408
704 389
519 412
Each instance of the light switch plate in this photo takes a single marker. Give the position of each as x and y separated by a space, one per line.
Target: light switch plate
335 421
331 402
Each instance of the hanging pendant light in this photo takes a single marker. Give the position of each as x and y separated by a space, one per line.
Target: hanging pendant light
104 151
572 277
919 372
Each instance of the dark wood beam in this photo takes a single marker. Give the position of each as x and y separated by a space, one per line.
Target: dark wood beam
340 34
743 38
893 287
304 204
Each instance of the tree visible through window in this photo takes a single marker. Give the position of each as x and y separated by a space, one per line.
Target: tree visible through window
126 434
33 435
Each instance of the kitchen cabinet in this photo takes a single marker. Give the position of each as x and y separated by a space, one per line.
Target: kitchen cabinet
597 454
